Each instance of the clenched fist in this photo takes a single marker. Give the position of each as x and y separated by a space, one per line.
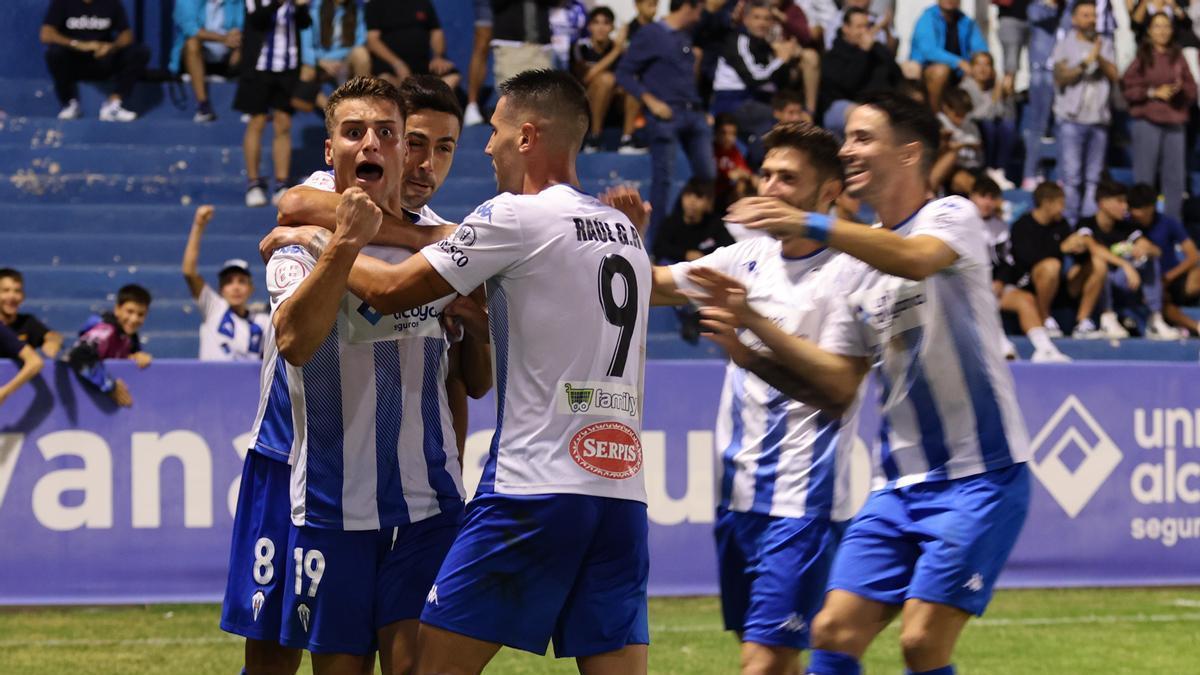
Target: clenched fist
358 218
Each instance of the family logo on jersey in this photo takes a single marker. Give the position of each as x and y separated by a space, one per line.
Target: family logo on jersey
598 398
305 614
256 603
1073 435
608 449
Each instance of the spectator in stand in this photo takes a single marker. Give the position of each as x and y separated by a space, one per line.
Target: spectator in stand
659 69
750 70
208 41
1106 18
942 44
1041 241
568 22
1084 71
735 178
718 21
793 25
480 49
963 133
333 49
1043 23
1142 11
114 335
856 65
879 26
820 14
1013 31
16 349
987 197
994 110
1181 277
230 331
270 72
646 11
406 38
694 229
27 327
1159 88
788 106
594 63
1127 276
92 40
520 36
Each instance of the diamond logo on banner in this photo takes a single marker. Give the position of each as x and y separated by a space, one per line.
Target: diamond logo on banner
1073 456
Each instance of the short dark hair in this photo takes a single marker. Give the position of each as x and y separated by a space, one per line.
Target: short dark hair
786 97
1110 188
10 273
723 119
430 92
676 4
818 145
1046 191
1141 195
133 293
554 93
851 12
986 187
912 89
958 101
358 88
1081 3
698 187
601 10
226 275
911 122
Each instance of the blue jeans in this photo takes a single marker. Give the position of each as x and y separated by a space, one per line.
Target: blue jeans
834 120
1119 296
998 137
1037 115
1158 151
1081 160
688 128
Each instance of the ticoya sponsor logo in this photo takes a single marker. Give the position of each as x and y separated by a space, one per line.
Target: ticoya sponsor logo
608 449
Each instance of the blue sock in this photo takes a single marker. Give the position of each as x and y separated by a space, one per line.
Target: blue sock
821 662
944 670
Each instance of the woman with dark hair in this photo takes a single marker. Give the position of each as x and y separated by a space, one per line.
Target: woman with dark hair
333 49
995 112
1160 90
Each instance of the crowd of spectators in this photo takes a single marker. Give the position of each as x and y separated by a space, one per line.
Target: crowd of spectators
711 77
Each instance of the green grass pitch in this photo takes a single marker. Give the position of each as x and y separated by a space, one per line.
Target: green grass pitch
1058 632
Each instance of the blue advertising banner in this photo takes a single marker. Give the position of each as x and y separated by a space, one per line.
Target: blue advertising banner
101 505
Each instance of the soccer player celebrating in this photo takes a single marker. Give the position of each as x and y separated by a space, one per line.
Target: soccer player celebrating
952 488
555 540
360 412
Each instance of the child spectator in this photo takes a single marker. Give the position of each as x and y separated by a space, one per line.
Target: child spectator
788 106
114 335
1181 274
27 327
735 179
333 49
646 10
594 62
1133 279
962 133
12 347
230 332
1161 93
694 229
271 49
208 41
792 26
992 108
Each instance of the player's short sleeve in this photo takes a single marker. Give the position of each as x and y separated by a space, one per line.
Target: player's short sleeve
321 180
287 269
956 222
724 260
209 302
487 243
10 344
841 330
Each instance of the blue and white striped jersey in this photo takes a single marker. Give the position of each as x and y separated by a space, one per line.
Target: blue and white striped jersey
779 457
365 424
281 40
948 402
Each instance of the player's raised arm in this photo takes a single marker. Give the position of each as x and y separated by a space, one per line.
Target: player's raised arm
303 320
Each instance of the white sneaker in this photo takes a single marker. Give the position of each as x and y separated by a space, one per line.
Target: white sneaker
71 111
1049 356
997 175
472 116
1157 329
1086 330
279 193
1010 350
112 111
1053 330
256 196
1111 326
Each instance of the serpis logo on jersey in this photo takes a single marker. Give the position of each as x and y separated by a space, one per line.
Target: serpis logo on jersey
256 603
607 449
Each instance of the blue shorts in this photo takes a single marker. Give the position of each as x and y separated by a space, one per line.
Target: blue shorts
258 556
526 569
942 542
483 13
773 573
346 585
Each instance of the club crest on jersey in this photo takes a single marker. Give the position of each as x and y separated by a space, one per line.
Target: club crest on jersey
305 614
256 603
607 449
464 235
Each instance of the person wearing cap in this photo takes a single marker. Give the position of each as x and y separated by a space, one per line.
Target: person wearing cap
230 332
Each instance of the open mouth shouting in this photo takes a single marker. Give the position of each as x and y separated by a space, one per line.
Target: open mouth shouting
368 173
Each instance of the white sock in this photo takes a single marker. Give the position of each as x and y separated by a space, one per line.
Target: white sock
1041 341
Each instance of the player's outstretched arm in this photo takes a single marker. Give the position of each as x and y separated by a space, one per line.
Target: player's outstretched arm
191 252
915 257
664 291
303 205
303 321
396 288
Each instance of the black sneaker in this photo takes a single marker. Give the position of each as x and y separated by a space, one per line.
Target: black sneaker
591 145
204 113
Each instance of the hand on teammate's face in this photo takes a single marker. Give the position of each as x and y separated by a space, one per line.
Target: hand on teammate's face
769 213
358 218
